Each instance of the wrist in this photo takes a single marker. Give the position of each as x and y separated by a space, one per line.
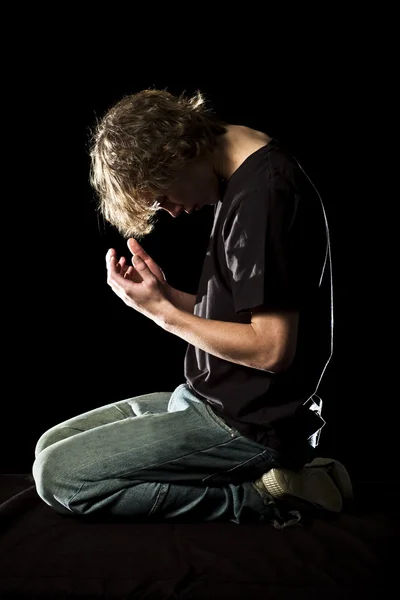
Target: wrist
167 315
169 292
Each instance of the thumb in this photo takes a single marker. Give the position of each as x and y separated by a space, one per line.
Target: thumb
141 266
134 246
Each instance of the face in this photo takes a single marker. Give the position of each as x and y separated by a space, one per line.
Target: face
198 185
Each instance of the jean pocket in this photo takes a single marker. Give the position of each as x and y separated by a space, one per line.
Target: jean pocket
247 470
234 432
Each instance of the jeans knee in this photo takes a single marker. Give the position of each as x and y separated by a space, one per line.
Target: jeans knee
48 476
49 437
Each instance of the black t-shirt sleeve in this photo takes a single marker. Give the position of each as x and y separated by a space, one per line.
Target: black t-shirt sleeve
268 251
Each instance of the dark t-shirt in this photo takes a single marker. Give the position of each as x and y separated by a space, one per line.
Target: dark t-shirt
267 248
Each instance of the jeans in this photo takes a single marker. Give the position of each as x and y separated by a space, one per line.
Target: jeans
162 456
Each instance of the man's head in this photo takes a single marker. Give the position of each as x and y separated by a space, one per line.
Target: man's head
153 151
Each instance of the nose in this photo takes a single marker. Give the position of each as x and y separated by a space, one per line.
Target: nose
175 212
180 210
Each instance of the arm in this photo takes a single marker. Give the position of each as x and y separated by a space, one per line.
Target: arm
261 344
235 342
181 300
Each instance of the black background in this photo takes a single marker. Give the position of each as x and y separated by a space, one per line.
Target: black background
70 345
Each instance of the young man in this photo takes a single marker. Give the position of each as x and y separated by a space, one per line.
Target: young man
235 435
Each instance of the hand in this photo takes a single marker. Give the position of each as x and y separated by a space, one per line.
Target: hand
173 295
137 286
137 249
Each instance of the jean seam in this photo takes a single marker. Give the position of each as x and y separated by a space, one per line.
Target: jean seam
74 496
254 460
220 421
167 462
122 412
160 497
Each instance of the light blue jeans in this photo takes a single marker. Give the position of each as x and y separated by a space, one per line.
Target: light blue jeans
162 456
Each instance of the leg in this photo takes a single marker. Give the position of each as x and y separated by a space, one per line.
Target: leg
163 456
133 407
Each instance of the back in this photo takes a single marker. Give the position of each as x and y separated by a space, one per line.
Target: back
267 248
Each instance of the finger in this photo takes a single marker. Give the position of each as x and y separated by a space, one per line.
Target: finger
113 270
111 252
112 265
114 279
133 275
121 266
141 267
135 248
129 272
134 245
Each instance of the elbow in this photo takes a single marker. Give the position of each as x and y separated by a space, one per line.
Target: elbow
278 363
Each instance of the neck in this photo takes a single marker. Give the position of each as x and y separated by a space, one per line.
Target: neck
234 147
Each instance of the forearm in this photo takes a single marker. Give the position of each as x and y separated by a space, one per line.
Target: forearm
234 342
182 300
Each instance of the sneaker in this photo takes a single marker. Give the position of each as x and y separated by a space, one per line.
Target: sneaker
337 472
309 487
